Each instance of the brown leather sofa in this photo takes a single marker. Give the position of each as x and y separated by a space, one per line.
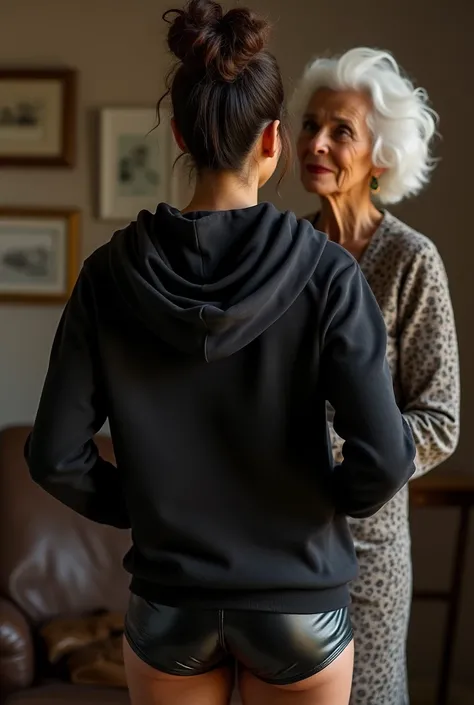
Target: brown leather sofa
53 563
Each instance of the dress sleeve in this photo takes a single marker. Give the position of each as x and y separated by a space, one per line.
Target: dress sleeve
429 362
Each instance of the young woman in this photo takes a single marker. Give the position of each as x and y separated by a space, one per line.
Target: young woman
212 338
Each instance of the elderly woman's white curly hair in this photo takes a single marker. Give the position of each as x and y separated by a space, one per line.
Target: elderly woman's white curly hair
401 122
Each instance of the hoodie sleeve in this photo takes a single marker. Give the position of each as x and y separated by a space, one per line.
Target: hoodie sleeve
378 452
60 452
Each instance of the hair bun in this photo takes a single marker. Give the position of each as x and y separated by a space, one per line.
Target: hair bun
202 36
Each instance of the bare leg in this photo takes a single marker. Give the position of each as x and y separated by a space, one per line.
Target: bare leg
147 686
332 686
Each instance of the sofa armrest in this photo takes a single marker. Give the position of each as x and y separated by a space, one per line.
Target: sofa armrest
16 649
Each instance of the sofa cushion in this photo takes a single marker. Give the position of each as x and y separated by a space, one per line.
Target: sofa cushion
66 636
54 562
16 649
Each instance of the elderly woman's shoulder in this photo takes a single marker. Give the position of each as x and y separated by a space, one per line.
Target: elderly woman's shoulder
411 242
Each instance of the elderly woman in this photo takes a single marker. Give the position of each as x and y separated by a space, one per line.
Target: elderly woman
365 134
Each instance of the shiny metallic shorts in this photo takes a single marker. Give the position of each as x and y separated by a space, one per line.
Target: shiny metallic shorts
277 648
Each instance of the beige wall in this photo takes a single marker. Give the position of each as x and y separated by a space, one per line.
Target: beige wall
117 47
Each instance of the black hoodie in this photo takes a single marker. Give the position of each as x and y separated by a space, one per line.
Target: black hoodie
213 342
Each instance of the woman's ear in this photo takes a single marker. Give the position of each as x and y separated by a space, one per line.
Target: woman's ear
177 136
271 139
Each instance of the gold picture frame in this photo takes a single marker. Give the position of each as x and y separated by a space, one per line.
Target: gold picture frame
39 255
37 117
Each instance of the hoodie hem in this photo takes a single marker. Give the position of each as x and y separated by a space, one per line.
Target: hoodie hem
310 601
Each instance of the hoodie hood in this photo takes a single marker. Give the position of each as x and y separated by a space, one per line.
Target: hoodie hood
208 283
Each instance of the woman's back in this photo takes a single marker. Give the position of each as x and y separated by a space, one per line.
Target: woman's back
218 337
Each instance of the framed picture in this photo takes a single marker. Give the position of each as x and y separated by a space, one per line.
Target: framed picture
37 118
135 162
38 255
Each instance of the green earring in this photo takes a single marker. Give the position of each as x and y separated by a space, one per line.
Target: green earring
374 184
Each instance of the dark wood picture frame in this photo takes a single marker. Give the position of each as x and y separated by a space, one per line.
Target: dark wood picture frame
67 155
72 217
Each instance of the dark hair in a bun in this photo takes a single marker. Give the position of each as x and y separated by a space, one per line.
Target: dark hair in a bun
222 43
226 86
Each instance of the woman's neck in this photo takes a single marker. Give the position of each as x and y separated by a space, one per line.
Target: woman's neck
222 191
348 221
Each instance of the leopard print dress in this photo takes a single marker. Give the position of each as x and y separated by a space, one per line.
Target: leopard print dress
407 276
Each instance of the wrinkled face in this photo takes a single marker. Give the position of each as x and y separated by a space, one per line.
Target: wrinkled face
335 144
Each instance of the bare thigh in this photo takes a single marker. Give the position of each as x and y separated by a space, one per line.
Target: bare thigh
147 686
332 686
